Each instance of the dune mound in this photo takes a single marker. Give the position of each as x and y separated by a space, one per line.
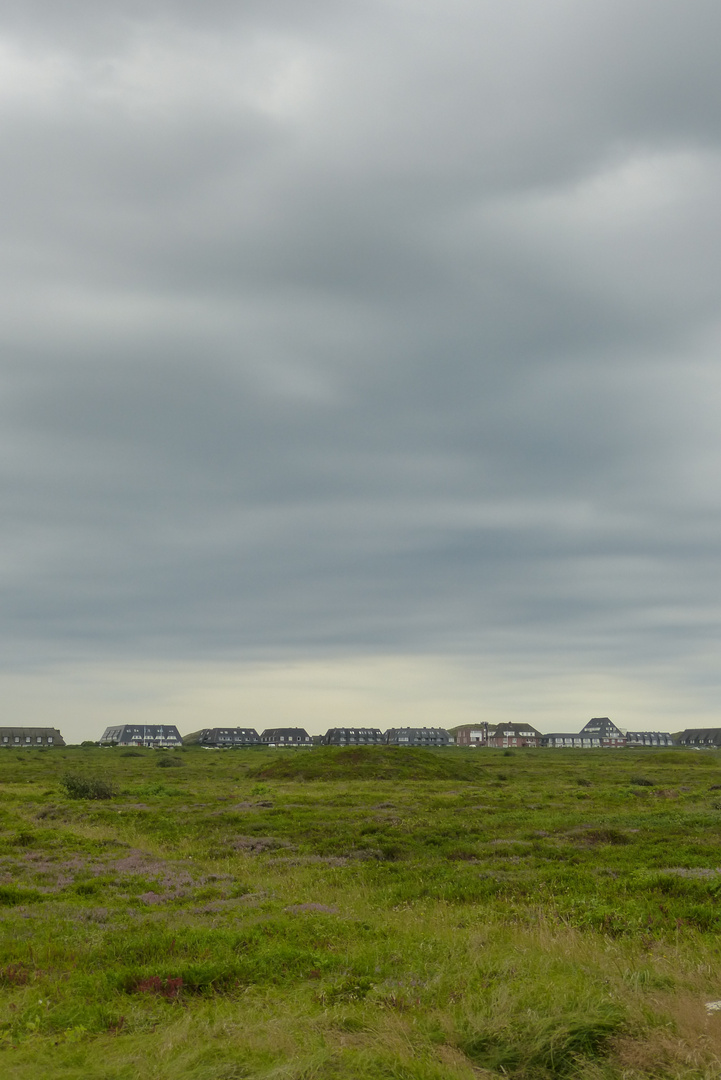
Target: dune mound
365 763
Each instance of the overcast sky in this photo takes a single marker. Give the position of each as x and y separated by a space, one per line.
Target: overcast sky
360 360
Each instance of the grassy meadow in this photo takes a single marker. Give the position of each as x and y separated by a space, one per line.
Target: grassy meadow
355 914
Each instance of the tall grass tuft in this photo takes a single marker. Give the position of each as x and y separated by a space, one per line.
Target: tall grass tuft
545 1047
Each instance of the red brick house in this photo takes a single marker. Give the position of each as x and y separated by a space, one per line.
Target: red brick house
471 735
505 735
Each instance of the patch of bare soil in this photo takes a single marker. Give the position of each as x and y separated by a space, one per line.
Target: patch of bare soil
256 845
296 909
169 880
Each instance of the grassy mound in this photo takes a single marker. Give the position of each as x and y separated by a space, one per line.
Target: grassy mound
193 739
366 763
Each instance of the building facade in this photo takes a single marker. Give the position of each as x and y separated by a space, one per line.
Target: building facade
602 728
158 735
281 737
228 737
417 737
353 737
472 735
600 733
566 740
30 736
648 738
504 735
707 737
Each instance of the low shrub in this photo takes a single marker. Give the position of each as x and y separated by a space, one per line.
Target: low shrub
24 839
605 836
87 787
169 763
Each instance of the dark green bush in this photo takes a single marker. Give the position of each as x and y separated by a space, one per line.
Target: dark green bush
87 787
169 763
606 836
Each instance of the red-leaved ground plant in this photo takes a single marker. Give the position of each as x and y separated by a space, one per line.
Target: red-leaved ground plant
167 988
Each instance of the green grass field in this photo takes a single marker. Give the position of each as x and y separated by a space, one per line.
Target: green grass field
359 913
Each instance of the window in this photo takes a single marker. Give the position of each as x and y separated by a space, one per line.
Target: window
5 738
17 738
27 739
38 738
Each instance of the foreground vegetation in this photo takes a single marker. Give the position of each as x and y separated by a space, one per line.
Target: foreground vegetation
359 913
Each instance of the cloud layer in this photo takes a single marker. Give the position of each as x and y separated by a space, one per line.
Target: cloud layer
385 328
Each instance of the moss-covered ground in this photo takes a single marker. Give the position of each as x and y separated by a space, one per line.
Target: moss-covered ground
358 914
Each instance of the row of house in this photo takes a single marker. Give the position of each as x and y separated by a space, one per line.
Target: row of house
598 733
299 737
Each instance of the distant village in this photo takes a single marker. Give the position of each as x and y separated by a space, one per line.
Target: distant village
598 734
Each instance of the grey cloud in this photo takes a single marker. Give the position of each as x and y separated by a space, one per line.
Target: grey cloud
419 355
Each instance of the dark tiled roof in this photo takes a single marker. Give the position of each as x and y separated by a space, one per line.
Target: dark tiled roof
601 725
294 732
512 729
708 736
121 732
353 731
417 731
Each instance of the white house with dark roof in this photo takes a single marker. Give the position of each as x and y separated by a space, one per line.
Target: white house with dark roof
286 737
605 730
649 738
707 737
228 737
353 737
159 735
417 737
